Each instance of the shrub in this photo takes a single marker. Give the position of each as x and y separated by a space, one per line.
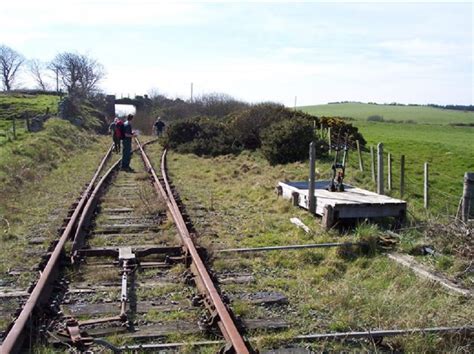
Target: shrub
342 132
375 118
248 125
200 136
288 141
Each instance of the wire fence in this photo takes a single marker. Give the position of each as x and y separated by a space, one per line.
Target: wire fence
444 191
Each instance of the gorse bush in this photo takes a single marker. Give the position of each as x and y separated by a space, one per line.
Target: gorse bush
200 136
288 141
342 132
282 134
248 125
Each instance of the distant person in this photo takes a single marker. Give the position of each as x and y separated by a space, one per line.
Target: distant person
159 126
115 128
128 134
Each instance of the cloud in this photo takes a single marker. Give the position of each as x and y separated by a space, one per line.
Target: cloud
425 48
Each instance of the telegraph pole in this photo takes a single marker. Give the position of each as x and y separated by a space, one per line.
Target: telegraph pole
191 92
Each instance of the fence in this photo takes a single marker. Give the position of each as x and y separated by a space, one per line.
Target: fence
423 184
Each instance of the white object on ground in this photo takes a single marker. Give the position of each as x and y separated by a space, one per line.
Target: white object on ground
425 272
300 224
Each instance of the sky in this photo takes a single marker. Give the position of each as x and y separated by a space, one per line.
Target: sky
259 51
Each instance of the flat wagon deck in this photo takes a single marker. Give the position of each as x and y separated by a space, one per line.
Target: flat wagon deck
352 203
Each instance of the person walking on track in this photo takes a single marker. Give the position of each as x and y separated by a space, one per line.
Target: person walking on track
128 134
159 126
116 129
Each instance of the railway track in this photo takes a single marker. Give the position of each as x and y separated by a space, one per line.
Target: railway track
126 275
125 266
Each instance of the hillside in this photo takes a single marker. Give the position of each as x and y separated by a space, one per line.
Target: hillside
418 114
14 105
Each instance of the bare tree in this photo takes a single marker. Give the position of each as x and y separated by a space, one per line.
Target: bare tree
10 62
37 69
78 73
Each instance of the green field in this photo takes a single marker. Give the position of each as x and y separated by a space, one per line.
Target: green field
418 114
448 150
15 105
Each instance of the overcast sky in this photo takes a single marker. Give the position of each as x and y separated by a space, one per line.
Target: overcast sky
319 52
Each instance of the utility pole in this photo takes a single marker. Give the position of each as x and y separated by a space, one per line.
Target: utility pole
191 92
296 97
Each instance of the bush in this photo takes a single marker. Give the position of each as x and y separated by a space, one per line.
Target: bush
200 136
248 125
342 132
375 118
288 141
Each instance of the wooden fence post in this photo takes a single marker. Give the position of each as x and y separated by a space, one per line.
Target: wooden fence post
380 187
467 196
402 175
311 197
329 139
361 164
426 201
389 172
372 163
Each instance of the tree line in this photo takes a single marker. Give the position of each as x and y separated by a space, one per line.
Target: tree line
78 74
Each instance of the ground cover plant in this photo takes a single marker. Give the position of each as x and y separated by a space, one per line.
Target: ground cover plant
235 206
415 114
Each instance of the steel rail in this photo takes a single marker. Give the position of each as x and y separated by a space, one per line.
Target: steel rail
289 247
206 285
14 339
87 212
336 336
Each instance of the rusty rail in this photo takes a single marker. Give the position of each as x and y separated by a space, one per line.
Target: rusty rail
14 339
203 280
88 211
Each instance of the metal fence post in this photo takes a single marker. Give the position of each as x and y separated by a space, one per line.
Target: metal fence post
311 197
389 172
402 175
426 201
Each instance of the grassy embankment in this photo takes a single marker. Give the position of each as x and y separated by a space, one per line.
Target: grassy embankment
40 175
15 105
234 205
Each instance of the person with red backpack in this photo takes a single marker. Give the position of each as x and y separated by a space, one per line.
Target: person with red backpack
116 128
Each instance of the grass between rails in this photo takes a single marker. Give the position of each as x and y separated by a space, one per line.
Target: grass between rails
231 202
418 114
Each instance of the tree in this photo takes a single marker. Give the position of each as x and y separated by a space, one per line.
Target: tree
10 63
37 71
78 73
